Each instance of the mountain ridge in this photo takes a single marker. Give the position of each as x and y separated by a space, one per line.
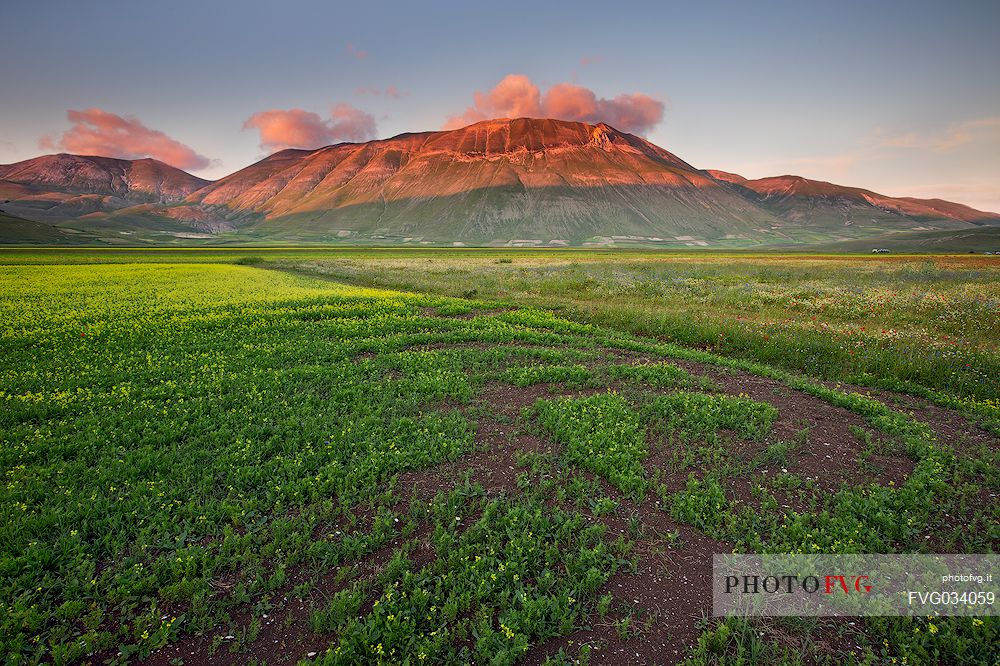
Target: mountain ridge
789 185
499 181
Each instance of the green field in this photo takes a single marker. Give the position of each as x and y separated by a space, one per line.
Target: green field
976 240
480 456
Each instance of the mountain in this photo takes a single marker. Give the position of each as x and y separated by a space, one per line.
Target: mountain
498 182
62 187
495 181
822 203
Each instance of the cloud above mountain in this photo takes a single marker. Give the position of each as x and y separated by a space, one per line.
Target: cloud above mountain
99 132
517 96
295 128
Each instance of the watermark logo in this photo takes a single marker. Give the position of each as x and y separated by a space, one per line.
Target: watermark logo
755 584
855 585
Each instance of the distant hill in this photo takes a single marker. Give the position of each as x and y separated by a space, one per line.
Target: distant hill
498 182
63 187
797 198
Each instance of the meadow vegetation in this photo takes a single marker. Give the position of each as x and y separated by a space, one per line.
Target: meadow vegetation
243 458
926 325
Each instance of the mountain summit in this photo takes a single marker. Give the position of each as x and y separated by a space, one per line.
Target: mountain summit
521 181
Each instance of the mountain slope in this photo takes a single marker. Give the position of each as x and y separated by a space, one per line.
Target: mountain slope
17 230
795 198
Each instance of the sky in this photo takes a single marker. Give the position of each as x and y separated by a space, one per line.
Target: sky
899 97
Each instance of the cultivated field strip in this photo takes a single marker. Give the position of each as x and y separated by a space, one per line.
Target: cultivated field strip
230 464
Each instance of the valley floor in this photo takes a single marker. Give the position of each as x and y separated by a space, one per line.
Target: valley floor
480 456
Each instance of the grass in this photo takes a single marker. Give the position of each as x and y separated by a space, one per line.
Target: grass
601 433
700 415
925 325
204 454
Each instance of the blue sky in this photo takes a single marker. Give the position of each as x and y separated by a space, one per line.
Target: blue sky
899 97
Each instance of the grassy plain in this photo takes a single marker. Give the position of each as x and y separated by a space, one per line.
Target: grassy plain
922 324
525 457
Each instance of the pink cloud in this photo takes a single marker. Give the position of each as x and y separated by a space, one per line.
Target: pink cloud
514 97
517 96
591 60
98 132
570 102
291 128
633 113
360 55
390 91
349 123
295 128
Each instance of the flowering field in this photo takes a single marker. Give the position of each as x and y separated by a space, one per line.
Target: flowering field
215 462
927 325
